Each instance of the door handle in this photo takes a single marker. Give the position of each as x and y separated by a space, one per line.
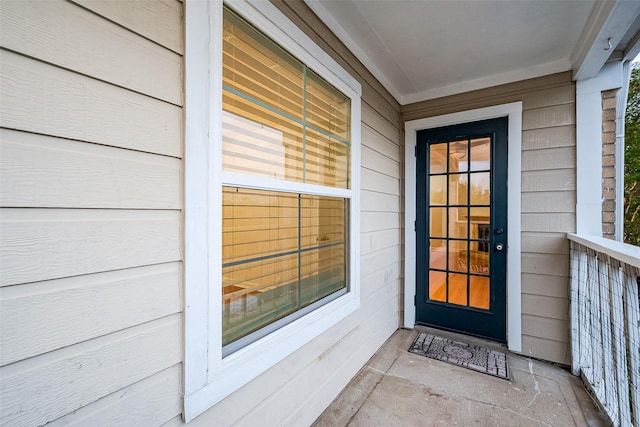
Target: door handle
499 247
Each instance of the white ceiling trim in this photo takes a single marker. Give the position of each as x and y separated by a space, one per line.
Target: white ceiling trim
340 32
607 25
489 81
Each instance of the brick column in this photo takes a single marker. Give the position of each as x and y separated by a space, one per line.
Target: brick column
609 163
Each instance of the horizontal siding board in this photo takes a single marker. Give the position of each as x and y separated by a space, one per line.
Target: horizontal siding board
375 120
41 98
543 327
550 264
554 351
43 244
371 242
551 137
547 307
378 202
43 171
157 20
549 201
378 221
549 222
550 97
556 180
378 260
544 285
41 389
150 402
511 92
377 142
386 276
61 33
557 115
380 163
553 158
67 311
548 243
375 181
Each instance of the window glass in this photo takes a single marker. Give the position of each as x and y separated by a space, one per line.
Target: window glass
283 250
281 120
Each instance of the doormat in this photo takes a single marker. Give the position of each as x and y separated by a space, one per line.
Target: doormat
481 359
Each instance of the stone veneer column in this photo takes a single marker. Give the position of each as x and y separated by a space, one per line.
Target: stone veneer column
609 163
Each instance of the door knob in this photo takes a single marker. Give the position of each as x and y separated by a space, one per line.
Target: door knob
499 247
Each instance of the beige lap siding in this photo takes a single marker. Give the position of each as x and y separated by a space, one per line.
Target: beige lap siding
91 253
91 195
548 199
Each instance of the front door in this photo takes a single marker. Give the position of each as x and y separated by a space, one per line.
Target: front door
461 228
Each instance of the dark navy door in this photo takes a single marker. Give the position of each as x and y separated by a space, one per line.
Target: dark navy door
461 228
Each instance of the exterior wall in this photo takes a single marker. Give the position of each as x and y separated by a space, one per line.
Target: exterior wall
609 163
548 199
91 192
90 188
299 388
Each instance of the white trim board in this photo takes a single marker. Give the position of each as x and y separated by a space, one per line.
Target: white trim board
514 305
209 377
588 142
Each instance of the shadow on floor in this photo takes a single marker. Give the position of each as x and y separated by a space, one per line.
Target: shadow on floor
397 388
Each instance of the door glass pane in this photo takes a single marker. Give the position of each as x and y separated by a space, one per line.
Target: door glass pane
438 158
479 261
458 156
438 254
480 154
479 292
438 286
458 223
458 256
458 189
457 289
438 222
480 223
438 190
480 188
460 177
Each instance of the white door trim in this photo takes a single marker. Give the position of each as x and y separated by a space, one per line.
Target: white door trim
514 112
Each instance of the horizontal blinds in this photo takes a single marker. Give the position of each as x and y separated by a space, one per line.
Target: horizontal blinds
296 125
281 252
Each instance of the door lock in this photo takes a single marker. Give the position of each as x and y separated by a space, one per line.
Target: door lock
499 247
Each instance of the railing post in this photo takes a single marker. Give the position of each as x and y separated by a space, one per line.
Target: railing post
619 341
596 325
575 308
610 391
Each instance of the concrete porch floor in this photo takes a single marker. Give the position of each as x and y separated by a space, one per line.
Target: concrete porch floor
397 388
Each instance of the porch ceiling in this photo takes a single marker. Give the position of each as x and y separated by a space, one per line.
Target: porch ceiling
424 49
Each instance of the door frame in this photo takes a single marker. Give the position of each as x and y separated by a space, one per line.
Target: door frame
514 305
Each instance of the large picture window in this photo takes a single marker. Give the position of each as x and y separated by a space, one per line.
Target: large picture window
272 186
283 249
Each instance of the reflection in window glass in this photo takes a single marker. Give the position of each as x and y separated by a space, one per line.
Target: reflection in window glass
281 252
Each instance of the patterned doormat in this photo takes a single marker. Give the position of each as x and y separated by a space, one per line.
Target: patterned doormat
479 359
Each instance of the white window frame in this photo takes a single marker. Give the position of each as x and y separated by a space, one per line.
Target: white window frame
209 377
514 212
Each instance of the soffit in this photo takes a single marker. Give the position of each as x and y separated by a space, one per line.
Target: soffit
423 49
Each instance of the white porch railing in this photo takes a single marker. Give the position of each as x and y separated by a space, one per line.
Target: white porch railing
605 333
